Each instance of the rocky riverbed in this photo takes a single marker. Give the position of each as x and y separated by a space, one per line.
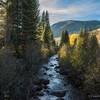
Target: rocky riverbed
51 85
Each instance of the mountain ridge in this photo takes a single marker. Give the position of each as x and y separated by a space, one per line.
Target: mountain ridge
73 26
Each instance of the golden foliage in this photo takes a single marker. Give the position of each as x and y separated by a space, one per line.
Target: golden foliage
73 37
64 52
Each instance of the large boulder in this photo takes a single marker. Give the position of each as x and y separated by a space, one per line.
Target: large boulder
44 81
59 93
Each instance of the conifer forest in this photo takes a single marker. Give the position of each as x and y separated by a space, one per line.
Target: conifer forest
43 57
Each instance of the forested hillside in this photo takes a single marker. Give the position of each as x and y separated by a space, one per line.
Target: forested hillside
74 26
81 61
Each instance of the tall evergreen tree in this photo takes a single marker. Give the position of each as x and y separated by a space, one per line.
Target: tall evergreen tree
22 23
48 35
80 55
41 27
40 31
47 18
43 19
64 51
14 23
64 38
93 49
30 18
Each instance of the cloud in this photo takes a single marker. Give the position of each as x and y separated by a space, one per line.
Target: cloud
74 10
47 3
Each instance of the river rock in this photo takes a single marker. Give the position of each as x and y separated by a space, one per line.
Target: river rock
50 75
41 81
46 68
57 67
45 86
57 58
59 93
40 93
45 73
60 99
63 72
44 81
47 91
57 70
51 65
36 88
35 98
37 82
55 64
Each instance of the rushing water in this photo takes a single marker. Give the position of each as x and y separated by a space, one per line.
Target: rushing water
58 82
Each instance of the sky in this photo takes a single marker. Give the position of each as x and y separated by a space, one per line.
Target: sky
61 10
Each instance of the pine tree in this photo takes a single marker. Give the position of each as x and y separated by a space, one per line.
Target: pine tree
64 52
93 49
48 35
22 23
64 38
80 56
30 20
40 31
43 20
92 75
41 27
47 18
30 14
